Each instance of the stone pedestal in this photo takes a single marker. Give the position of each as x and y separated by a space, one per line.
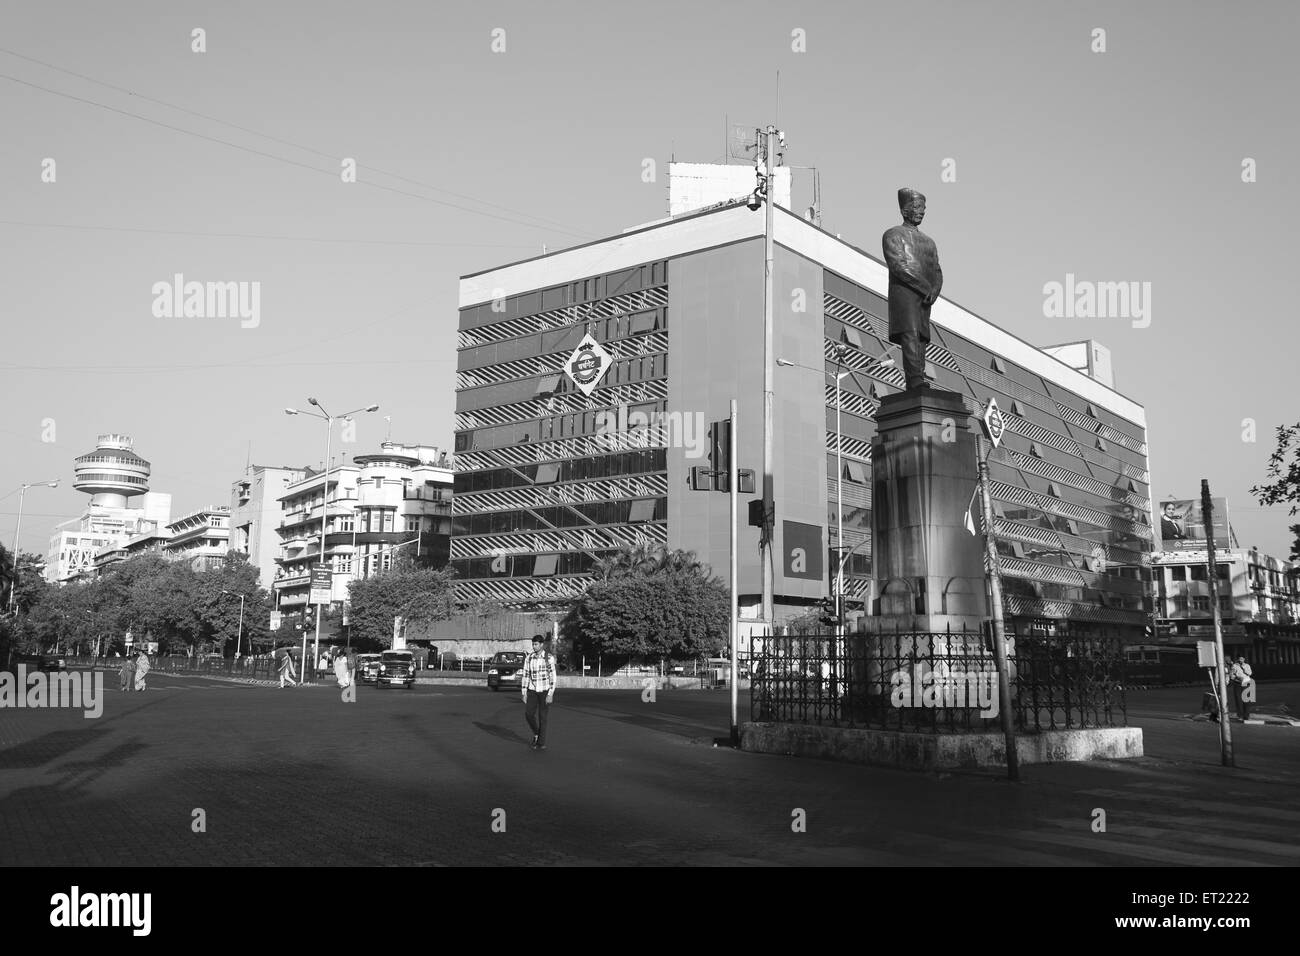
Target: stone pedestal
928 568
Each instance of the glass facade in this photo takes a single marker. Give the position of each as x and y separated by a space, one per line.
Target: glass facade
548 479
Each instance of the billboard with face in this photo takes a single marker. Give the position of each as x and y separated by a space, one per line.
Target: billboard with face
1182 525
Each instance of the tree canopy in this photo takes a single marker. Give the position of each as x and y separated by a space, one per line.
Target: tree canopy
417 594
650 602
1285 484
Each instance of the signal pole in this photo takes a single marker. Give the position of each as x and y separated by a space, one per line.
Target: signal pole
733 478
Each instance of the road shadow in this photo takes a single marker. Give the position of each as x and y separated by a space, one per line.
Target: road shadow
501 733
48 748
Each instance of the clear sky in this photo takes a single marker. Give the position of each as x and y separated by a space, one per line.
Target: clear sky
1115 166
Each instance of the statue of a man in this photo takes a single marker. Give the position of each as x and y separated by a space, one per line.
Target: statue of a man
914 283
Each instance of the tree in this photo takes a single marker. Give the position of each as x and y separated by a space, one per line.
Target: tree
1285 484
657 612
419 595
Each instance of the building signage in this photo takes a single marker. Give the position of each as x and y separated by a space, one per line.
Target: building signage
588 364
1182 525
993 422
1207 630
803 548
322 586
275 620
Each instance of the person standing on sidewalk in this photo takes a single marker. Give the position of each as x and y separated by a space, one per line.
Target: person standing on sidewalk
537 688
128 672
1243 687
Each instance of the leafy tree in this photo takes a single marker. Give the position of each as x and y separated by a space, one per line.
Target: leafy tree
657 611
1285 484
420 595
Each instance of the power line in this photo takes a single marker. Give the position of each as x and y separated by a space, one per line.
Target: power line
283 159
245 235
274 139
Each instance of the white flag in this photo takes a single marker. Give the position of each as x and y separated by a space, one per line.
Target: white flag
970 519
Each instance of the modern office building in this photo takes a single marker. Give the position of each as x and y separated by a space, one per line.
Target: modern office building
255 515
658 328
398 498
121 505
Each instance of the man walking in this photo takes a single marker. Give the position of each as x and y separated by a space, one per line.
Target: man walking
537 688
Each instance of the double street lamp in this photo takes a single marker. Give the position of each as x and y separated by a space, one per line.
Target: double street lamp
325 493
13 578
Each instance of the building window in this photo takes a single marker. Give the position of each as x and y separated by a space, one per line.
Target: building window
1221 570
387 560
643 510
1200 602
413 524
379 482
388 521
1200 572
343 563
1179 573
545 565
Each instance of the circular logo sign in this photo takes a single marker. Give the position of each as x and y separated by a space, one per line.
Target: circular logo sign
585 366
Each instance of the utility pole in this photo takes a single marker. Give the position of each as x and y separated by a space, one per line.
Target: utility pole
769 507
1227 757
999 627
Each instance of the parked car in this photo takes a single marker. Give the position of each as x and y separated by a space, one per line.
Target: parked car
368 668
505 670
41 662
396 668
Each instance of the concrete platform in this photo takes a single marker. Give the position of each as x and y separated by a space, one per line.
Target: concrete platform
909 751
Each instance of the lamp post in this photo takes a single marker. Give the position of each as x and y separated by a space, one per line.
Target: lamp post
325 498
239 635
13 578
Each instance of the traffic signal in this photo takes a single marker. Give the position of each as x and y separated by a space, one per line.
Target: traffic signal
701 478
745 481
720 454
829 611
756 513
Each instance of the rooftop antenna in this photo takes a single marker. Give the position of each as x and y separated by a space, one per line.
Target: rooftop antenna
248 459
389 418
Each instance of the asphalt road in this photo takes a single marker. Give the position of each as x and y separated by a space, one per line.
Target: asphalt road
442 775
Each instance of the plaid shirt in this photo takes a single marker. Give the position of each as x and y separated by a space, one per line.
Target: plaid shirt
539 672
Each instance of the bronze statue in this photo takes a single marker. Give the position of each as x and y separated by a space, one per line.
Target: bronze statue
914 283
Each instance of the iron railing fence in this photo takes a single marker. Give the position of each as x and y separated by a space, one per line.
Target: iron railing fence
926 682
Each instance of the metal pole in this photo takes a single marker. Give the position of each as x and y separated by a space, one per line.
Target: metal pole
769 521
733 624
239 635
839 507
13 558
1226 754
325 507
999 631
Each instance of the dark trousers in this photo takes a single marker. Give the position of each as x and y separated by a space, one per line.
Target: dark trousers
913 364
535 713
1243 708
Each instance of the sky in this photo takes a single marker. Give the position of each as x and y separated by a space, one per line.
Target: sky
484 132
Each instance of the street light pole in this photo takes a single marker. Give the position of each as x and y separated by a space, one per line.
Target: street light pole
239 635
769 375
13 578
325 499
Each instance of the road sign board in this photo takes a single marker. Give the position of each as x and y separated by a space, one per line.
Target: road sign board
322 586
275 620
